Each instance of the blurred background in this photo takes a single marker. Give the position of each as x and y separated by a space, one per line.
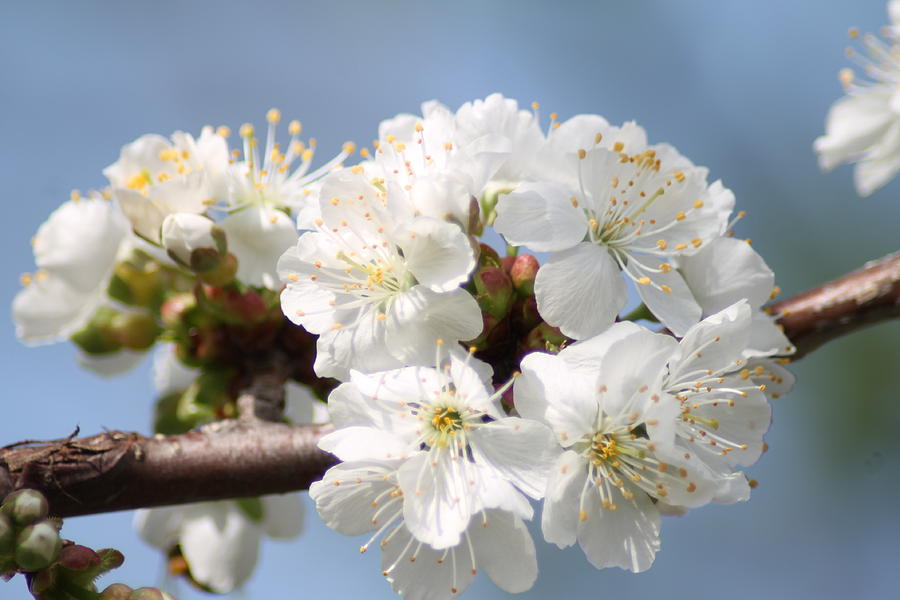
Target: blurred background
741 87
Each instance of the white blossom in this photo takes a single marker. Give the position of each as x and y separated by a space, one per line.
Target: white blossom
155 177
377 283
618 206
359 497
461 453
75 251
604 399
726 271
723 411
220 540
863 127
263 191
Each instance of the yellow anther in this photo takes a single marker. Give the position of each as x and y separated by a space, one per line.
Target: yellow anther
665 267
399 146
223 131
336 325
666 289
74 195
349 147
582 515
574 201
618 147
698 204
553 116
439 341
679 176
680 246
680 216
335 201
273 116
535 106
853 32
294 127
307 155
662 244
696 242
644 281
419 127
389 138
775 291
161 177
356 169
846 76
246 130
168 154
598 138
25 279
581 153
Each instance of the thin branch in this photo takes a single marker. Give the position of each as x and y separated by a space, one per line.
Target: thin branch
862 298
251 457
119 471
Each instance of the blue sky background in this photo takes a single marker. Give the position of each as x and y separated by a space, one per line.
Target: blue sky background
741 87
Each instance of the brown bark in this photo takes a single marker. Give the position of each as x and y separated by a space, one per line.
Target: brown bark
859 299
118 471
252 457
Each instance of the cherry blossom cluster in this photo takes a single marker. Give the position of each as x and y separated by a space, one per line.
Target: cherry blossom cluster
863 127
465 381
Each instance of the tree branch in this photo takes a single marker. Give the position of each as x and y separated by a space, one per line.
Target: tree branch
251 457
862 298
119 471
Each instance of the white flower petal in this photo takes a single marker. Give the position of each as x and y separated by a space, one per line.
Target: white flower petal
580 290
439 254
520 450
550 391
559 522
419 317
437 502
282 515
221 545
505 551
258 236
627 537
540 216
676 309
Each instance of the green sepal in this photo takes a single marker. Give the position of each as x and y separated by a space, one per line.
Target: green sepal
252 508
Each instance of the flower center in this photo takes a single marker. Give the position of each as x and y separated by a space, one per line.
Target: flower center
446 420
603 447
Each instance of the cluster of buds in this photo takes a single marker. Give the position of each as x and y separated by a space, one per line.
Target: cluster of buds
55 569
504 290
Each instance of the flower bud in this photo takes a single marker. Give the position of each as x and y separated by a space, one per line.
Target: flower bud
237 307
194 241
544 338
488 256
137 284
523 271
174 311
7 535
37 546
110 559
146 593
223 273
78 558
116 591
136 331
26 506
494 291
97 336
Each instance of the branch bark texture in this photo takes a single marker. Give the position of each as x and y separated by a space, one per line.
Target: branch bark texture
118 471
861 298
252 457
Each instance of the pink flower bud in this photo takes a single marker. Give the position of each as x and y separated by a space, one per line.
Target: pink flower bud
523 271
